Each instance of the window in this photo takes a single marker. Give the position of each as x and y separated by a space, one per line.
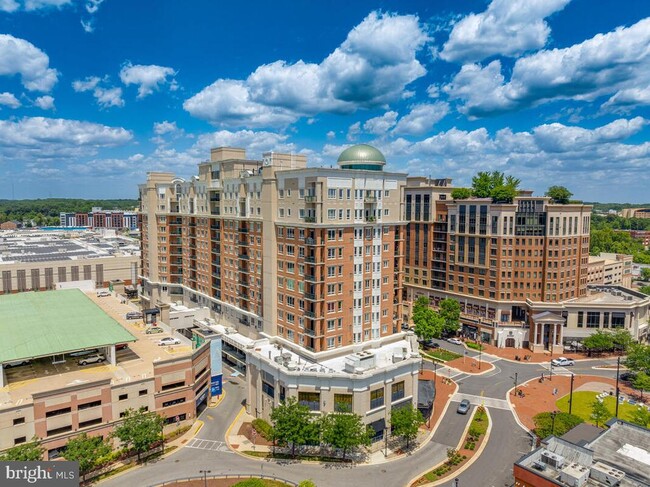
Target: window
173 385
58 412
310 399
19 421
331 194
376 398
173 402
580 319
343 403
143 392
123 397
88 405
397 391
19 440
593 319
268 389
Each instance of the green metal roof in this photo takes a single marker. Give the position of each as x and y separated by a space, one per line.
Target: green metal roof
37 324
361 154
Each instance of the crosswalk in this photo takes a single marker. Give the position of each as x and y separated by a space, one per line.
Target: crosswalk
209 445
489 402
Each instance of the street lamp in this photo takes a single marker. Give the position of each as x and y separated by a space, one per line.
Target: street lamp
515 379
571 393
553 414
618 369
205 476
386 441
550 368
480 354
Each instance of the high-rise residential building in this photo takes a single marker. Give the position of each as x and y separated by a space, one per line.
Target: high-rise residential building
611 269
501 261
310 254
306 262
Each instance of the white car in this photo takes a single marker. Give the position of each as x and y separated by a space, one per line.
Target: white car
95 358
168 341
103 294
562 362
455 341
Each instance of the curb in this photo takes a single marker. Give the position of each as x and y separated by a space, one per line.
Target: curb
513 408
445 364
469 463
219 401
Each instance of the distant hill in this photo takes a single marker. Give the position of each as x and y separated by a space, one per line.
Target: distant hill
605 207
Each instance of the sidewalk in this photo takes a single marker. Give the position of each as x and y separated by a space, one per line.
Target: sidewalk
539 357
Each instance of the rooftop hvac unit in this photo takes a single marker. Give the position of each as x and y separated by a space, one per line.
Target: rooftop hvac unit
286 356
552 459
574 475
606 474
278 359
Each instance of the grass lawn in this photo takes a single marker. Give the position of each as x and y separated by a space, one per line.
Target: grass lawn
582 401
474 346
442 354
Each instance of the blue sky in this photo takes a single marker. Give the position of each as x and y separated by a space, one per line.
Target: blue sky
94 94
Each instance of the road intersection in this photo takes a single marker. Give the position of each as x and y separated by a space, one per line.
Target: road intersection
507 442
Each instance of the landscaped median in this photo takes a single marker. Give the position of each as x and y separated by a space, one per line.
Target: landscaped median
457 361
470 447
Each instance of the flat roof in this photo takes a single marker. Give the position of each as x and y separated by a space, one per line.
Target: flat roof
38 324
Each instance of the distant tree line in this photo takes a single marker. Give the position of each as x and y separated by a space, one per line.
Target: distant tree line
46 211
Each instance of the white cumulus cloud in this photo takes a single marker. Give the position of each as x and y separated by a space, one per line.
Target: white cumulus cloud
18 56
380 125
106 96
9 100
507 27
370 68
45 102
148 78
616 63
421 118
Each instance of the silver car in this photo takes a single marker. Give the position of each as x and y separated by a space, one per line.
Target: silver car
95 358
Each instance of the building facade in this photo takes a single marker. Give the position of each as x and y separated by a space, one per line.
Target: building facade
610 269
100 218
313 255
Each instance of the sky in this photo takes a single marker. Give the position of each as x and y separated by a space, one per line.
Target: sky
96 93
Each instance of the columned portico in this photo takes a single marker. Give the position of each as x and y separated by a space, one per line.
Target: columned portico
546 333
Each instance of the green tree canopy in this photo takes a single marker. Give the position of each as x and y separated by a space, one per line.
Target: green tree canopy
641 382
495 185
461 193
428 324
640 416
563 423
344 431
622 339
405 422
139 430
450 312
599 341
559 194
293 424
638 358
599 412
645 273
27 452
87 450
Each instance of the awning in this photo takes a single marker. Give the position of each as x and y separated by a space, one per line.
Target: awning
153 311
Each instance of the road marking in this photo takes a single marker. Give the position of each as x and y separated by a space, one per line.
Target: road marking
490 402
210 445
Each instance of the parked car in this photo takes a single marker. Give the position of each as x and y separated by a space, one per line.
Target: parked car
95 358
121 346
81 353
562 362
169 341
154 329
16 363
627 376
455 341
103 294
463 407
134 315
431 344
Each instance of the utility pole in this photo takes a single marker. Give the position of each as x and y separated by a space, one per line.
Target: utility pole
618 369
480 353
550 375
515 379
571 393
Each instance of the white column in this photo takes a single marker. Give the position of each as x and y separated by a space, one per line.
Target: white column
554 335
3 381
535 334
111 355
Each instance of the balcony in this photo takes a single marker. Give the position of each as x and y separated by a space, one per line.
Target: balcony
243 230
310 259
311 278
310 314
242 268
370 219
310 242
370 199
245 243
244 256
311 199
310 219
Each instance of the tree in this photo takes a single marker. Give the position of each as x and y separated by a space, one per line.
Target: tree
421 304
428 324
139 430
645 273
495 185
27 452
307 483
482 184
622 339
645 289
344 431
405 422
292 424
640 416
87 450
598 341
563 422
638 358
461 193
504 194
641 382
599 412
559 194
450 312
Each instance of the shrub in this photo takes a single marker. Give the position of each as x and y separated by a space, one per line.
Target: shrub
264 429
307 483
250 483
563 423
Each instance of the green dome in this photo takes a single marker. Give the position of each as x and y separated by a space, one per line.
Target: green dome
362 156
